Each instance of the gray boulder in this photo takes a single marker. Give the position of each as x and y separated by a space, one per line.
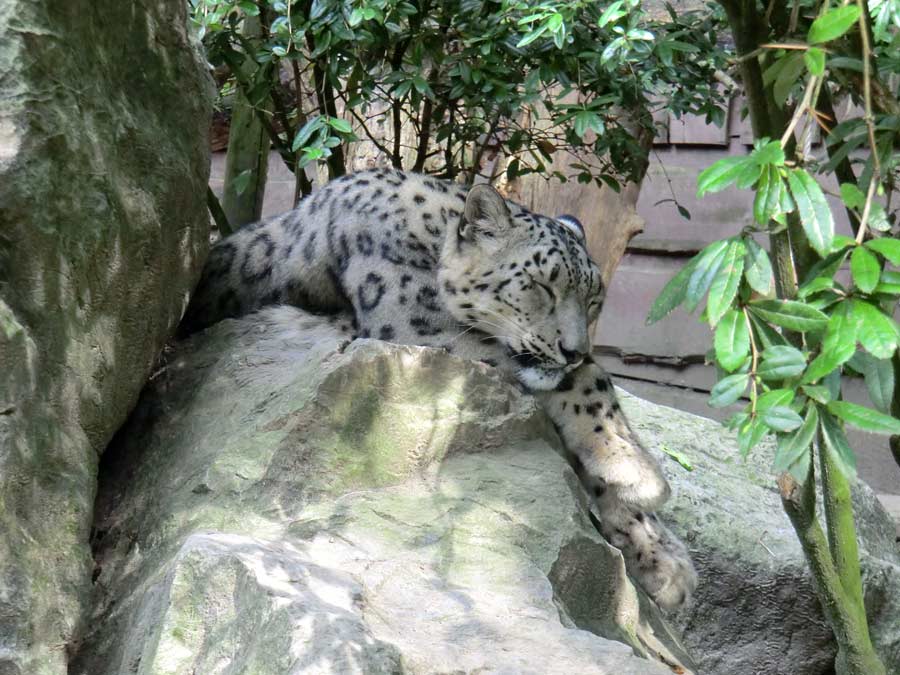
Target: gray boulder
104 111
755 609
283 502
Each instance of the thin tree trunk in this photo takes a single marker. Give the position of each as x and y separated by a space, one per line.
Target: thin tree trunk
246 165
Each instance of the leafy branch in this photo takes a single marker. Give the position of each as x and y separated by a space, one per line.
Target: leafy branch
450 83
789 342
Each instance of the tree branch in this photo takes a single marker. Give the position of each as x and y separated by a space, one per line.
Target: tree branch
302 186
397 106
217 213
235 68
799 503
325 102
424 136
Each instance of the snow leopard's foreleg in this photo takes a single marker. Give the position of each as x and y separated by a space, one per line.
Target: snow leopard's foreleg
624 479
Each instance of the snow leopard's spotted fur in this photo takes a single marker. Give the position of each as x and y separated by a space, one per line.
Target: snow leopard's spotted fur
421 261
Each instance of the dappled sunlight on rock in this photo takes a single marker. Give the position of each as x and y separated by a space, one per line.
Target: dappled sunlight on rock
281 501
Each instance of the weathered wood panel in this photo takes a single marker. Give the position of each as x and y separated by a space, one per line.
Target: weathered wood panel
622 326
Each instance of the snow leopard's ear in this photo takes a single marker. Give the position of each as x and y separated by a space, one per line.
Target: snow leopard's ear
486 214
572 224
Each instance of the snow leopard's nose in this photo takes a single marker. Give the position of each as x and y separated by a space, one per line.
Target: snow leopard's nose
571 356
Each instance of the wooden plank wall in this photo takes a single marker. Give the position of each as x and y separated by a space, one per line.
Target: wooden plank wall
681 150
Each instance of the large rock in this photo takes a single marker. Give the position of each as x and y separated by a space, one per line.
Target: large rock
104 109
282 502
755 609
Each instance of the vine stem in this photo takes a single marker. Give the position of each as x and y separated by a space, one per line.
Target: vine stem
846 617
754 360
812 88
870 120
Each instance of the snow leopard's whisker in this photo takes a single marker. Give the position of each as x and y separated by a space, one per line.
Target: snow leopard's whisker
499 335
459 335
502 317
509 324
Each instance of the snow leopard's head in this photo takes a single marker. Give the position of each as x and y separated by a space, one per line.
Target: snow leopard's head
525 279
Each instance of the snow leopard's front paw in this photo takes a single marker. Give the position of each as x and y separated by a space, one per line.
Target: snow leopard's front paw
629 472
654 557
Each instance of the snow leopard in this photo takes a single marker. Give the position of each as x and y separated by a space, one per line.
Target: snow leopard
417 260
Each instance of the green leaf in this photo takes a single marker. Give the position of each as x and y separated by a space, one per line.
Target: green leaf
533 35
749 434
815 61
736 420
878 219
555 22
838 345
766 335
679 457
828 266
787 205
708 264
789 314
887 247
781 418
846 63
585 121
781 362
836 445
832 24
889 289
639 34
852 196
356 17
339 125
864 418
308 129
787 77
890 277
720 175
822 365
878 333
422 86
725 284
773 70
768 153
814 286
672 294
817 393
815 214
842 242
793 453
241 182
833 383
728 390
757 267
825 299
774 398
767 202
865 269
879 377
748 175
612 13
732 340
